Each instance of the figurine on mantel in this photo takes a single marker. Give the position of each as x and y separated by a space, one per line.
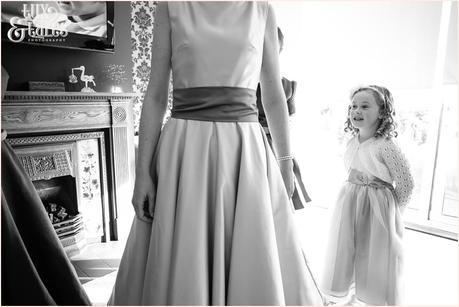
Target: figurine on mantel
85 78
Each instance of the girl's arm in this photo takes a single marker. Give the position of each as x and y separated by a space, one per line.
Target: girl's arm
273 99
153 110
399 169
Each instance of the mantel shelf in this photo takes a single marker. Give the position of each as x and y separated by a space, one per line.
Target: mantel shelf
33 112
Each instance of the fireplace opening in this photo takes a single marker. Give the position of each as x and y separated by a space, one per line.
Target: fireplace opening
60 191
59 196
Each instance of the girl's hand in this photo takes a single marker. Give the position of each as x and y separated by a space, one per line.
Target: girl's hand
286 167
144 196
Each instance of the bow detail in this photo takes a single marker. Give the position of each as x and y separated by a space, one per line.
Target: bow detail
360 178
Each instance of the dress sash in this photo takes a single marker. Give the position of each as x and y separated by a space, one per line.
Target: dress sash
360 178
216 103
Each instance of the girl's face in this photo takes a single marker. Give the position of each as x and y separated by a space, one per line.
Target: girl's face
364 112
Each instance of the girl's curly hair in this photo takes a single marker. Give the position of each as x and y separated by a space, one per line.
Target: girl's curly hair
387 125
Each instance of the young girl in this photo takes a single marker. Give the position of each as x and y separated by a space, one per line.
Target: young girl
365 246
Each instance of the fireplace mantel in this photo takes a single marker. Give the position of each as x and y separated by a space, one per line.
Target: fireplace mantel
56 117
28 112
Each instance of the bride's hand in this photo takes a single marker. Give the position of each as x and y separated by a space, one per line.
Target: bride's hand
286 167
144 196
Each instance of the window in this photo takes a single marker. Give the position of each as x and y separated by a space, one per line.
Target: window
331 47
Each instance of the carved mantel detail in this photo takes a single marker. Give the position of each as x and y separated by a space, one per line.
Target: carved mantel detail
38 97
51 139
44 111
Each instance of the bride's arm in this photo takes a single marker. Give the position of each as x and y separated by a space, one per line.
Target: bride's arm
153 109
273 99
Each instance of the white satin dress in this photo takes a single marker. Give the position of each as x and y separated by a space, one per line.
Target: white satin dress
223 231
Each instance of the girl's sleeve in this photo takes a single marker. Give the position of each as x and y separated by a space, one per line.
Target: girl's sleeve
399 170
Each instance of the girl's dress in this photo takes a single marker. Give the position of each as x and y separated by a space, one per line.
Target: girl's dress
223 231
365 244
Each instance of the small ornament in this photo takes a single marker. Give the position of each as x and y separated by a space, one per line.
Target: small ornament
73 78
85 78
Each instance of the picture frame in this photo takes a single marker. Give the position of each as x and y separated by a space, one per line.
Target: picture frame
60 24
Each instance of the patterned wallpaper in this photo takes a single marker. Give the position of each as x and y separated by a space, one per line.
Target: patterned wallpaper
142 24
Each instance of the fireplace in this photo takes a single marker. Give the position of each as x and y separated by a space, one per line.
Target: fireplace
70 176
78 151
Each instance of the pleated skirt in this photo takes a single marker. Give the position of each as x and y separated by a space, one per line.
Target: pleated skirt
223 231
365 247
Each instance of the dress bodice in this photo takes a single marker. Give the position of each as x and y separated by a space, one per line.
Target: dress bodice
382 158
364 157
217 43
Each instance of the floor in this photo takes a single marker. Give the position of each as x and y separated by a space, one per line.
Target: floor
97 260
431 262
96 267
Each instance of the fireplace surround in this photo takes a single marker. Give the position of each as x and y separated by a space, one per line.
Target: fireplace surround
78 150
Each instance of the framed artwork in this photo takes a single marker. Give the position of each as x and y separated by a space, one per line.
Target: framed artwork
87 25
